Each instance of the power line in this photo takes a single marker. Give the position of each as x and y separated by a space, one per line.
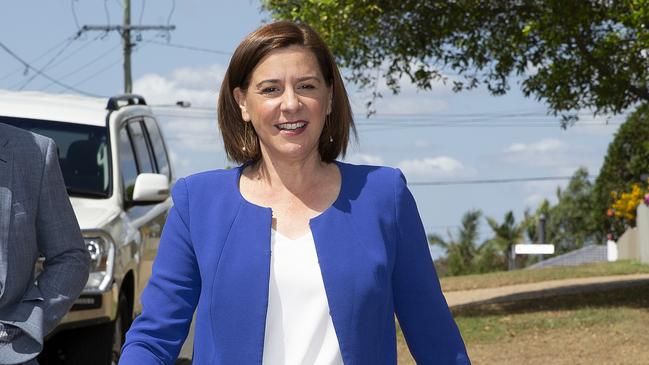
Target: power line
142 12
510 125
37 58
171 13
74 13
59 62
491 181
76 51
447 120
28 66
105 68
99 72
192 48
106 12
125 31
91 62
47 64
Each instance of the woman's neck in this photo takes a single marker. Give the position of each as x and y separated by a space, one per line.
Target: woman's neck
295 176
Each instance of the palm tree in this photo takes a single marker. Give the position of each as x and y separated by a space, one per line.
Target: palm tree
506 235
461 249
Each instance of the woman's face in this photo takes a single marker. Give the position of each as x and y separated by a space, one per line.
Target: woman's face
287 101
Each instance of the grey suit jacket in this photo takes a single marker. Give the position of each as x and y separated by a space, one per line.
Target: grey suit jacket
35 217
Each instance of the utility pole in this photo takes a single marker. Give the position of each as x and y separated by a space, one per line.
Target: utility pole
542 232
125 31
126 35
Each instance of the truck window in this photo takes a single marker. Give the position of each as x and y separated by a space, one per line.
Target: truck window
142 155
83 153
127 163
159 150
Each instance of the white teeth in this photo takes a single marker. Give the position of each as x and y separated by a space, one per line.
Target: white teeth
291 126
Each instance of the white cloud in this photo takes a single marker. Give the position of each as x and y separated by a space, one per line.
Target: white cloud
443 86
365 159
537 191
196 78
197 85
411 104
544 145
591 125
409 100
190 131
434 167
554 156
549 152
534 200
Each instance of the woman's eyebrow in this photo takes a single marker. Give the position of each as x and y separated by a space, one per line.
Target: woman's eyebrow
270 81
308 77
299 79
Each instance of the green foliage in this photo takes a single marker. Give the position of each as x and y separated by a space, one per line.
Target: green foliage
570 54
531 221
569 223
506 235
627 159
461 249
465 256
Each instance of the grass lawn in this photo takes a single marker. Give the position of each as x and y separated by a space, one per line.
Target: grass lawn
608 327
503 278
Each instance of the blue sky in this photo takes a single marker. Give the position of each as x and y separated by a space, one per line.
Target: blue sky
432 136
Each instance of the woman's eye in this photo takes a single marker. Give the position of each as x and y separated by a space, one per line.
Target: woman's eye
307 86
268 90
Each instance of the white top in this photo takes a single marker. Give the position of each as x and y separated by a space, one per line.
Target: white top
299 329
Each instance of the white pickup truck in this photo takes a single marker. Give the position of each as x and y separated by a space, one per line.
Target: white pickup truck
116 169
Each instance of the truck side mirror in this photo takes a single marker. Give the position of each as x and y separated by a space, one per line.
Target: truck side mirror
150 188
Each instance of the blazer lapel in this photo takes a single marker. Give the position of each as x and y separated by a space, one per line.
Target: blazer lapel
6 169
339 256
243 272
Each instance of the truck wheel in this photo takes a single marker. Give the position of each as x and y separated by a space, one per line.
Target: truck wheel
100 344
120 326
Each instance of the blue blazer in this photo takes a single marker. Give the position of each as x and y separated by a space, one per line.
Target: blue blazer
214 256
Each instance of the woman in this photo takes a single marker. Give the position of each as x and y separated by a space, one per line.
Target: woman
292 258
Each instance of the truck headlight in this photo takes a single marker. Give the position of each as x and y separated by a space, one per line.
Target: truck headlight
102 255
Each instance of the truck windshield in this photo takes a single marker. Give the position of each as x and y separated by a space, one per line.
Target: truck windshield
83 154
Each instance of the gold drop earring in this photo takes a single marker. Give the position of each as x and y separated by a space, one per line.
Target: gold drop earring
327 125
245 136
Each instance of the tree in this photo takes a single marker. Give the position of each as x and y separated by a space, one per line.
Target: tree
626 161
589 54
531 227
461 250
570 222
530 222
506 235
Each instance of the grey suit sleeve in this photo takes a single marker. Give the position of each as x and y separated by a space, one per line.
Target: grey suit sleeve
59 240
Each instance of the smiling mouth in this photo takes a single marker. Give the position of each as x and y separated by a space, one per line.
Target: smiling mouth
291 126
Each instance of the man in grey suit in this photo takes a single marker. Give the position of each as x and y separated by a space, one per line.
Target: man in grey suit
35 217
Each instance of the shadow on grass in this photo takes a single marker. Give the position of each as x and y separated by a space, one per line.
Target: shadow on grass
632 297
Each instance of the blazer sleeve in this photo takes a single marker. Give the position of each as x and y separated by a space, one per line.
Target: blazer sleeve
59 239
426 321
170 297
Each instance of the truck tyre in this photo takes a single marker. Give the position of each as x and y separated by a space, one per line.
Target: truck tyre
100 344
120 326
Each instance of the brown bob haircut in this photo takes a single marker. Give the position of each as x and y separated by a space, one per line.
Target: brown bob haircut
257 45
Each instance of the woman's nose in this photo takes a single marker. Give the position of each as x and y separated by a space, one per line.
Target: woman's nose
290 101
